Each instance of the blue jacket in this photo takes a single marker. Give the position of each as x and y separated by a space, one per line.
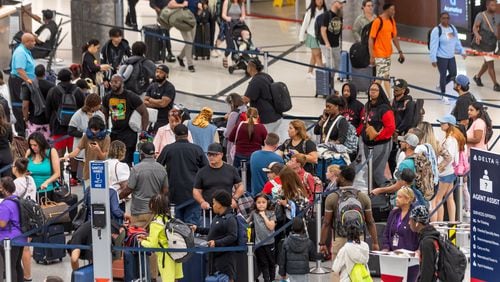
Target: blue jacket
442 46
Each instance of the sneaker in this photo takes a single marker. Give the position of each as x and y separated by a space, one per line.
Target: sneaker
310 75
170 58
214 54
73 182
478 81
181 62
191 68
466 213
445 100
496 87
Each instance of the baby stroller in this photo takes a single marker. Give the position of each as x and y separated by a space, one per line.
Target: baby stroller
242 39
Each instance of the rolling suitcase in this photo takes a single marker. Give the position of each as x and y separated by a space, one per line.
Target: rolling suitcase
324 83
64 194
136 267
53 234
156 46
345 65
83 274
362 83
202 36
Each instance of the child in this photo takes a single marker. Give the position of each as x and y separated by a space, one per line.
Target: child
297 250
353 252
264 222
332 172
25 185
170 270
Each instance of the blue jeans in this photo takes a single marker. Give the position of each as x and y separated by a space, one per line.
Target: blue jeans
189 214
447 71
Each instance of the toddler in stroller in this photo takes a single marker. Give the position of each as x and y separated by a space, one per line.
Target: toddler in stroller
242 38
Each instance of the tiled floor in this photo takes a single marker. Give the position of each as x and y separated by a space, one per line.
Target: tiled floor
211 81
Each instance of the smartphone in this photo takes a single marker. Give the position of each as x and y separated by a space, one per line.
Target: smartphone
401 60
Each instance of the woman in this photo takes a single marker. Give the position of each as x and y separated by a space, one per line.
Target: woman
165 134
308 30
332 126
377 127
479 122
428 135
332 173
10 227
238 113
299 142
90 65
365 18
353 110
80 120
204 133
5 140
233 12
43 164
119 172
452 144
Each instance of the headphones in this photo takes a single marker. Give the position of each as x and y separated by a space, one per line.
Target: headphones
99 135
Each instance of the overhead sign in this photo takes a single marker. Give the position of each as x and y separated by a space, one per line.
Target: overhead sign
458 10
485 206
97 175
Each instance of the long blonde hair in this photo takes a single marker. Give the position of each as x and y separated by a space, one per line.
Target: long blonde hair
429 136
203 118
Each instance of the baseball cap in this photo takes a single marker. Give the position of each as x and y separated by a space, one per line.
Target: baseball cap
447 119
410 138
462 80
340 1
400 83
215 148
269 168
148 148
420 214
181 130
164 68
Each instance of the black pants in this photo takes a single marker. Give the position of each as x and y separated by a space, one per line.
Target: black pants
131 15
16 267
15 97
5 160
393 157
447 72
266 262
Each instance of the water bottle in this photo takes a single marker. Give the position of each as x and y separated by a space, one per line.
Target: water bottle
136 158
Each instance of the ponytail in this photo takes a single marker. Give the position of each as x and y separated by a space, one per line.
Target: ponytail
89 43
252 113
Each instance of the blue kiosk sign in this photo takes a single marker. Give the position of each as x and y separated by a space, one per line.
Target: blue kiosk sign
97 180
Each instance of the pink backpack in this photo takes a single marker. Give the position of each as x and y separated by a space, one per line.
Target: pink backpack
462 167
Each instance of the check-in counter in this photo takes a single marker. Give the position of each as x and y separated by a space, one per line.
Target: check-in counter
12 19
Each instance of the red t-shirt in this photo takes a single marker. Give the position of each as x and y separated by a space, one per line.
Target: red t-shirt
245 146
268 187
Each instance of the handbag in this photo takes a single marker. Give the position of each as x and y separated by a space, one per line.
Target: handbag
462 167
232 152
371 132
80 217
52 210
488 41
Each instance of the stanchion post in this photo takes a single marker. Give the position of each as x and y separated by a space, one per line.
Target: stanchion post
250 262
8 262
244 174
370 169
248 9
172 210
266 60
460 213
318 269
119 12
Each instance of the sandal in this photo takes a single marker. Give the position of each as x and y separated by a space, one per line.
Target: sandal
224 63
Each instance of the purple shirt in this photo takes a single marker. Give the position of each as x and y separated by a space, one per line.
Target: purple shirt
9 212
400 228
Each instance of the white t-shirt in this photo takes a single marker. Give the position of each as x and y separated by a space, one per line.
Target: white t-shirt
118 172
23 183
450 144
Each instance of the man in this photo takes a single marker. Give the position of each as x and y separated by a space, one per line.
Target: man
261 159
363 19
22 70
217 175
158 5
403 107
138 71
464 100
45 35
345 180
183 160
37 123
119 104
116 50
487 22
419 223
331 32
382 34
160 95
187 36
408 143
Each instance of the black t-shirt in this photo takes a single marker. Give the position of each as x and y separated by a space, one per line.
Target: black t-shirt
157 91
5 140
89 66
45 87
53 102
462 106
211 179
120 107
308 145
333 24
83 236
259 93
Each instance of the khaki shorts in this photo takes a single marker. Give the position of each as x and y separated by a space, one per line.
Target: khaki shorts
338 243
383 67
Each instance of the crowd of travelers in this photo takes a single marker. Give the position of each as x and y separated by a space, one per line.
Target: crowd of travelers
158 154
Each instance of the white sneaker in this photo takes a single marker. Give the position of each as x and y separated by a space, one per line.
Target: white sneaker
445 100
310 75
214 53
466 214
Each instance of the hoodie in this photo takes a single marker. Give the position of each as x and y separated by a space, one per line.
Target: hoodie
349 255
295 254
403 113
428 253
354 110
114 56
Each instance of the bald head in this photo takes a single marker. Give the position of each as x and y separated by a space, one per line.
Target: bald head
117 83
28 40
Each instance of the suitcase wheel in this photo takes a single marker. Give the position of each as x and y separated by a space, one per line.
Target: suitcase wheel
196 58
230 69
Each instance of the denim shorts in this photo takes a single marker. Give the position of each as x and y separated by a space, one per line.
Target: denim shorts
448 178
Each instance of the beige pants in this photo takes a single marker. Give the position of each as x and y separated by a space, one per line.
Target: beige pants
143 220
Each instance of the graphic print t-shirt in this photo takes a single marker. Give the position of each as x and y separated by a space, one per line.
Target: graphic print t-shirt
120 108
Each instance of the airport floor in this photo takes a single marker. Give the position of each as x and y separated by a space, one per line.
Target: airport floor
209 85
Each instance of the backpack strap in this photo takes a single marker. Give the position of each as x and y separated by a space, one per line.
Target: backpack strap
436 263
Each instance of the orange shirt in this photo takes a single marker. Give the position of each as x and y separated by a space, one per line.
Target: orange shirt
382 48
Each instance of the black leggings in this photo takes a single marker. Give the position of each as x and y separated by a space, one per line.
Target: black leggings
266 262
16 267
132 16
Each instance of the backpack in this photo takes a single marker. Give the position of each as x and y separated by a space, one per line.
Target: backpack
418 112
68 106
462 167
30 214
450 261
349 210
242 230
360 273
179 236
440 32
359 53
139 80
431 155
318 184
317 27
280 95
424 175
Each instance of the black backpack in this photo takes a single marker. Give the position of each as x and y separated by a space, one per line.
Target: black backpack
359 52
282 101
30 214
450 261
418 112
317 27
139 79
68 106
440 31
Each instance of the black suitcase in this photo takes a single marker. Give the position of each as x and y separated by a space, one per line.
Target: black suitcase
362 83
202 36
53 234
324 83
381 207
374 260
63 194
156 46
